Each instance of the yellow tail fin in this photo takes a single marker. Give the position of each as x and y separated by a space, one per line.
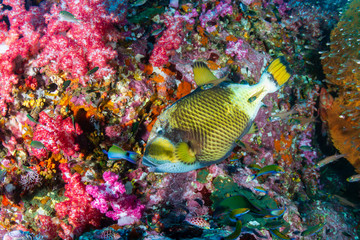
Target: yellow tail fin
279 69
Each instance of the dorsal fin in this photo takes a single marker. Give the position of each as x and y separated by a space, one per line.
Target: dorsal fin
202 74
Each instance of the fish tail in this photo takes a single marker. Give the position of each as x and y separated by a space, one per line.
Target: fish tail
276 74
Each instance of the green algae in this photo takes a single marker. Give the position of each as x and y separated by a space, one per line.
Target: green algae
202 175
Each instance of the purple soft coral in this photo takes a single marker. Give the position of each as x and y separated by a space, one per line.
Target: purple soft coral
125 208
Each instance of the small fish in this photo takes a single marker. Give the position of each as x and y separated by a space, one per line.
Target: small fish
138 3
201 128
354 178
302 120
278 212
92 71
37 144
347 234
309 47
313 229
117 153
52 87
245 146
345 202
270 169
198 222
73 122
237 213
236 233
107 234
66 84
274 224
157 31
306 148
328 160
28 169
284 114
261 190
31 118
67 17
254 166
279 234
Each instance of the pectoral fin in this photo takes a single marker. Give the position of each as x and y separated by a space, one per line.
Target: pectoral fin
184 153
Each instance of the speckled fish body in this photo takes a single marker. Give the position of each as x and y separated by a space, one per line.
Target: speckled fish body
198 222
201 128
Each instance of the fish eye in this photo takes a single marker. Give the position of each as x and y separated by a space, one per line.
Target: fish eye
160 131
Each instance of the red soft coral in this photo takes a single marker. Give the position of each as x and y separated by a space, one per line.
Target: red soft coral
78 208
56 134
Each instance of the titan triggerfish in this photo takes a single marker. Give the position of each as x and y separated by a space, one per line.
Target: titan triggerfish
201 128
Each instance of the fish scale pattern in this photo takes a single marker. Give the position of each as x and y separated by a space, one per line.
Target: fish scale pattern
210 121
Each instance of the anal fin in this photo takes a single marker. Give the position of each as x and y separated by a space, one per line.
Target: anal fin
253 129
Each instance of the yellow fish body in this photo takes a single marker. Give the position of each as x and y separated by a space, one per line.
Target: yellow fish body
201 128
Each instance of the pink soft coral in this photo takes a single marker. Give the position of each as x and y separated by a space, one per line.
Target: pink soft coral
171 38
236 49
125 208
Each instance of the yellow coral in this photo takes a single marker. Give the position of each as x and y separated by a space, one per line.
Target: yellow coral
31 103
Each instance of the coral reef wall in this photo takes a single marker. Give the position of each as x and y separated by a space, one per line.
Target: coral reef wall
80 80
